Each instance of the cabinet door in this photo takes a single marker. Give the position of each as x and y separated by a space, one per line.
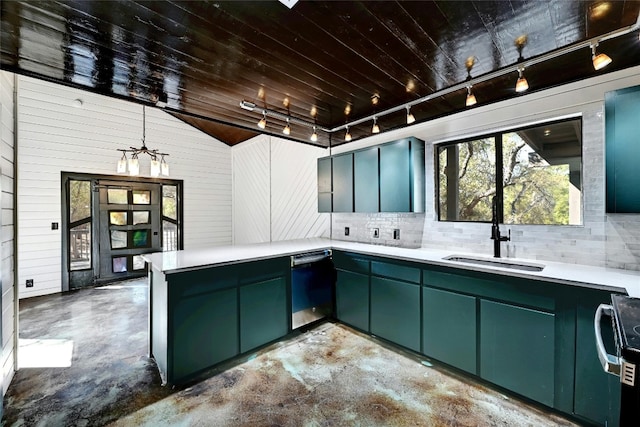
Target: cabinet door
343 183
449 328
324 184
263 313
517 349
622 108
366 182
205 332
352 299
395 179
395 311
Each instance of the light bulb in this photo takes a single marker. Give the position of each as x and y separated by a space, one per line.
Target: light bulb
262 123
134 166
314 135
471 98
521 84
122 164
347 135
287 129
600 61
410 117
375 128
155 167
164 167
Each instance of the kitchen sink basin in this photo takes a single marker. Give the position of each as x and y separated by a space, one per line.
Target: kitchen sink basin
496 263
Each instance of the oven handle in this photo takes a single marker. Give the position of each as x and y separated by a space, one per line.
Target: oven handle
609 362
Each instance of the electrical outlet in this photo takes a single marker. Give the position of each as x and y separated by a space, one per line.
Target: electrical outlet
29 283
376 233
396 234
346 231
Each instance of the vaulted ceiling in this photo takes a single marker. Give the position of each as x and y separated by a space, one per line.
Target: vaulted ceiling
322 62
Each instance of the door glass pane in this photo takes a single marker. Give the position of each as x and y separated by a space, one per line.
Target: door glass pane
119 264
169 236
79 200
141 197
140 238
118 218
138 262
117 196
140 217
80 247
169 201
118 239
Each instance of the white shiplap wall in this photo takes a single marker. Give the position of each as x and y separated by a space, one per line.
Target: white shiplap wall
7 138
55 136
275 191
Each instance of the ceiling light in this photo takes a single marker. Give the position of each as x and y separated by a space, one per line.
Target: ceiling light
287 129
133 163
599 61
375 128
521 84
347 135
410 117
263 121
314 135
471 98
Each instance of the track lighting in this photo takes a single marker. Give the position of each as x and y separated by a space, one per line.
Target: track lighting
410 117
471 98
314 135
263 121
521 84
347 135
375 128
599 61
287 129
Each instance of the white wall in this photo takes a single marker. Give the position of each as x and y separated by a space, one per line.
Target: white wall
55 136
7 135
604 239
275 191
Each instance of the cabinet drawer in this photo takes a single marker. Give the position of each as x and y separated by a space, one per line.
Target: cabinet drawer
348 262
396 271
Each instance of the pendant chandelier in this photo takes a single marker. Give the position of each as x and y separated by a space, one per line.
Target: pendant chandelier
132 164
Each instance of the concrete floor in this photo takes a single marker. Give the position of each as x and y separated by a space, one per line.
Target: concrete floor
329 376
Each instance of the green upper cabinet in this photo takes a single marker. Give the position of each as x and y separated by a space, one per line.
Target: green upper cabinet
343 183
324 184
385 178
622 110
366 180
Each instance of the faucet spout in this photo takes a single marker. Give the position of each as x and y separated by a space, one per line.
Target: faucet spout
495 229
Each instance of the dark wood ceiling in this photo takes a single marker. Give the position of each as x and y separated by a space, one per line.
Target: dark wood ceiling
320 61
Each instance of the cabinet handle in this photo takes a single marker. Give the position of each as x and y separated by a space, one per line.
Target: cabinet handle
609 362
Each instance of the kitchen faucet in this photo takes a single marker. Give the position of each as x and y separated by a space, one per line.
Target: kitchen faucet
495 229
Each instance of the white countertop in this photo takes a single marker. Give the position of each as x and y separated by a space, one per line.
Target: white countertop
609 279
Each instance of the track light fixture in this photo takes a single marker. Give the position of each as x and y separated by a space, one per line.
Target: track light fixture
287 129
410 117
521 84
601 60
347 135
314 135
471 98
375 128
263 121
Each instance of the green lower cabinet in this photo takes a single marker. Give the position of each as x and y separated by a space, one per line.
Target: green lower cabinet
597 394
517 349
449 328
352 299
395 311
263 313
205 332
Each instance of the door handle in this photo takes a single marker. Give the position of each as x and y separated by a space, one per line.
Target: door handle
609 362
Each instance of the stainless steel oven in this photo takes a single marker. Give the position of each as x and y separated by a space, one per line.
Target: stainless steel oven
312 287
625 321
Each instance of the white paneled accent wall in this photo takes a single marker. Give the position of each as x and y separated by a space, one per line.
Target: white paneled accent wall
275 191
55 136
610 240
7 138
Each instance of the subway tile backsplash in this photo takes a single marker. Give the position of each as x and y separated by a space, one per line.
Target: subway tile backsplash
362 225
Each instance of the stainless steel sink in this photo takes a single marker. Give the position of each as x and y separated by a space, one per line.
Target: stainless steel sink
498 262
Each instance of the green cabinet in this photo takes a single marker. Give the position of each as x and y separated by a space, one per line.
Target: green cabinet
622 110
517 349
352 299
449 328
263 313
395 182
343 183
395 303
366 180
324 184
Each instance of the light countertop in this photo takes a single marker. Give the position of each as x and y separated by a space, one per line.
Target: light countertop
608 279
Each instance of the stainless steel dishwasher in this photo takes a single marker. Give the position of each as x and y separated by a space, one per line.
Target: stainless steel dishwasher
312 287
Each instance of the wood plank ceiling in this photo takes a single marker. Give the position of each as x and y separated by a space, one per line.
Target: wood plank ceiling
319 61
